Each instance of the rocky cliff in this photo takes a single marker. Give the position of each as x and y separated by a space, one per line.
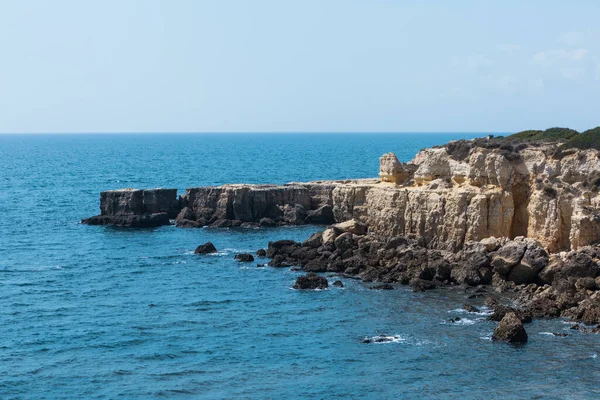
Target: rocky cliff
448 195
136 208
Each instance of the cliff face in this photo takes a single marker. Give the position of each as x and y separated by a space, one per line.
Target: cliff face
136 208
449 195
250 204
450 199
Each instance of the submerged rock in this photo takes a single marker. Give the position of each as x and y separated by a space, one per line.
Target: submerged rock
510 329
470 308
261 252
310 281
338 284
206 248
384 286
244 257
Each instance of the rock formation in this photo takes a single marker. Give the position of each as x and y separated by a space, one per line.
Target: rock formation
136 208
510 329
448 195
311 281
522 217
206 248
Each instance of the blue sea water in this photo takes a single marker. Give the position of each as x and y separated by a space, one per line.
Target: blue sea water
89 312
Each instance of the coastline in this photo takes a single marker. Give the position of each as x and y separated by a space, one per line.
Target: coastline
521 218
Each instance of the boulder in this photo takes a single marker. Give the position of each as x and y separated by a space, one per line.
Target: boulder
322 215
244 257
310 281
508 256
267 222
206 248
586 283
421 285
344 242
338 284
352 226
470 308
534 260
294 214
329 235
490 244
314 241
383 286
261 252
392 170
510 329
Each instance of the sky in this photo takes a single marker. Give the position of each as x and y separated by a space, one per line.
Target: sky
114 66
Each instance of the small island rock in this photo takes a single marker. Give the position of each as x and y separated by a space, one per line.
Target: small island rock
206 248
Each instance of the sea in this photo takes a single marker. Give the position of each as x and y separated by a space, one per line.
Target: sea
94 312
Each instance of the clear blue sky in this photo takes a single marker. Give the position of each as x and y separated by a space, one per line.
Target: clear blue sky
306 65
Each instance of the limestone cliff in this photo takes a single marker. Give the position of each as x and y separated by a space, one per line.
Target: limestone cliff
448 195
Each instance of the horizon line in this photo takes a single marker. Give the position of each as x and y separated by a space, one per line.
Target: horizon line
248 132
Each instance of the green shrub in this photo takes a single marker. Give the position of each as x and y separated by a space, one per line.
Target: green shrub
552 134
589 139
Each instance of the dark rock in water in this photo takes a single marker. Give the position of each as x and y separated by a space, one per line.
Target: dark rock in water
421 285
311 281
322 215
281 248
261 252
244 257
261 265
499 311
338 284
249 225
268 222
475 295
455 319
206 248
186 214
470 308
510 329
134 208
385 286
560 334
187 223
225 223
130 220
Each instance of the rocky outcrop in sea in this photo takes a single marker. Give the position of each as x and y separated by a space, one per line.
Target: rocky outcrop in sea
523 217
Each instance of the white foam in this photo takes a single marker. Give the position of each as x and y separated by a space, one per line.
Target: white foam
462 321
547 333
594 355
485 338
483 311
383 339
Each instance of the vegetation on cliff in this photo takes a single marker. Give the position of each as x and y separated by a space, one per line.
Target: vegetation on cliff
552 134
589 139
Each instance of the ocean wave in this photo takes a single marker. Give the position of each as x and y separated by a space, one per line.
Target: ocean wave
462 321
483 311
381 339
